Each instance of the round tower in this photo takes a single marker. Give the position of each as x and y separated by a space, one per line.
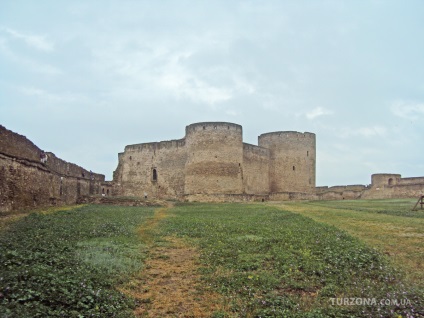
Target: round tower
214 158
292 160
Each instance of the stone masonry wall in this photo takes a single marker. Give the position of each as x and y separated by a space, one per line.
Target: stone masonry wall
134 176
255 169
292 161
18 146
383 186
27 183
214 158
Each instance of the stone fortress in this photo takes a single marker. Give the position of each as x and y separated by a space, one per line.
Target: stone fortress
213 163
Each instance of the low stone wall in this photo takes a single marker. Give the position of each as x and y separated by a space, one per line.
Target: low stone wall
225 198
111 200
394 192
295 196
380 189
339 195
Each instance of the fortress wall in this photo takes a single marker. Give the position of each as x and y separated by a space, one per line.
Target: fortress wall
343 188
393 192
292 160
134 175
411 181
214 158
408 190
18 146
287 196
27 183
225 197
340 195
321 189
70 169
255 169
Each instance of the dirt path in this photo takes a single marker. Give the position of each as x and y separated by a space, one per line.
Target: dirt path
170 285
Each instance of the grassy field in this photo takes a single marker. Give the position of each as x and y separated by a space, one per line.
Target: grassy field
215 260
68 263
388 225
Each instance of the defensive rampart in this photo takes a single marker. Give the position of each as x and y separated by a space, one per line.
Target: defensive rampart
383 186
26 182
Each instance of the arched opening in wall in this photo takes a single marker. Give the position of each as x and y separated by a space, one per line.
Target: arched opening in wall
154 174
390 181
107 191
103 191
307 153
294 168
130 157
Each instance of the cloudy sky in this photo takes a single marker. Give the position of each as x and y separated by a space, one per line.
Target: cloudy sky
85 78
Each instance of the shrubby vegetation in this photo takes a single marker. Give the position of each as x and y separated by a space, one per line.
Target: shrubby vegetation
67 264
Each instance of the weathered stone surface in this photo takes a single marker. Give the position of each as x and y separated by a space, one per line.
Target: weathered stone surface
26 182
212 160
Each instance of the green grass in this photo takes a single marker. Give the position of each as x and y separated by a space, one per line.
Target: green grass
398 207
287 260
388 225
274 263
67 264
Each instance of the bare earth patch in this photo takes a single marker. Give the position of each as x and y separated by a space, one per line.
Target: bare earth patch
170 285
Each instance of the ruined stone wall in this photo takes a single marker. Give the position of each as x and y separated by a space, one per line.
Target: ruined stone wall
255 169
411 181
342 188
27 183
383 186
290 196
214 158
155 169
387 186
244 197
292 161
18 146
63 167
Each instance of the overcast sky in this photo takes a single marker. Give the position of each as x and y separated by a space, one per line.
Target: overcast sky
82 79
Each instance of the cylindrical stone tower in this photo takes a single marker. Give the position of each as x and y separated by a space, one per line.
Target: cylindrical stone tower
292 160
214 158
